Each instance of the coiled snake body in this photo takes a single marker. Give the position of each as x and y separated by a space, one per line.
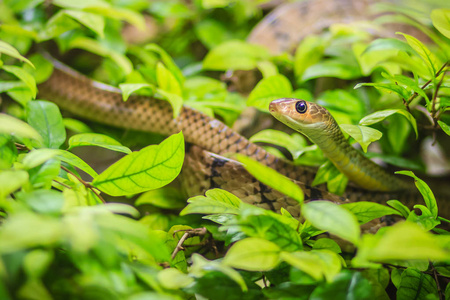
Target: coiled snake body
205 166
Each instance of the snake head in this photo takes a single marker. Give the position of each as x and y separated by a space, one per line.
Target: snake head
304 116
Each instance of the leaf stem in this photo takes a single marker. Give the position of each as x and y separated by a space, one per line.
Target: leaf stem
86 184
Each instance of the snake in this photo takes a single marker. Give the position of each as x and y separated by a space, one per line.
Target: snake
208 163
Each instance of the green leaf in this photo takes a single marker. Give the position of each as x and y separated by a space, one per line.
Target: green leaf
362 134
150 168
444 127
441 20
403 209
46 118
331 68
267 68
409 83
8 152
235 55
387 44
44 201
402 241
429 58
43 68
92 21
11 180
43 176
336 181
24 76
308 53
387 87
129 88
272 178
383 114
37 157
367 211
425 190
175 101
11 51
58 24
76 125
269 89
75 161
318 264
332 218
328 244
96 139
167 60
296 144
416 285
215 201
166 198
253 254
345 286
173 279
15 127
166 80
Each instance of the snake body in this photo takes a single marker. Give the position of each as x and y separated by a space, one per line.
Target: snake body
205 165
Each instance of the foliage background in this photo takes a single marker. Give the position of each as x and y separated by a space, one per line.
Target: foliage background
71 229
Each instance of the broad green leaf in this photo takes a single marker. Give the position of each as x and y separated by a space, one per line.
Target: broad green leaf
96 139
345 286
402 241
166 80
367 211
362 134
119 13
267 68
8 152
200 266
333 218
76 126
58 24
253 254
332 68
11 51
167 198
444 127
212 32
387 87
129 88
328 244
296 144
318 264
15 127
150 168
11 180
425 190
24 76
441 20
46 118
80 4
272 178
308 53
75 161
43 70
410 83
269 89
326 172
167 60
338 184
416 285
429 58
235 55
387 44
44 201
426 219
43 176
37 157
92 21
215 201
383 114
36 263
175 101
403 209
173 279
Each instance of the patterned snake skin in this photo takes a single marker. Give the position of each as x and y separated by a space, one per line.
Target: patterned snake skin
205 164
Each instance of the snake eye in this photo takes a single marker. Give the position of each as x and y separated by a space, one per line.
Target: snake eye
301 106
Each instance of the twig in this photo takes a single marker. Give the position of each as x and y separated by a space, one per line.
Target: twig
437 281
426 83
188 234
86 184
63 184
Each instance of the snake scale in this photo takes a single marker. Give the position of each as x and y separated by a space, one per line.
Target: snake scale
206 165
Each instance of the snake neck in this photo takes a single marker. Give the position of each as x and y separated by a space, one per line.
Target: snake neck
353 163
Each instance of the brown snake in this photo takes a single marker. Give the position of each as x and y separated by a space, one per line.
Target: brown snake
205 165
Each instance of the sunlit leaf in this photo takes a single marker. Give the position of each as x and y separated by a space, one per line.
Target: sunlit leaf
429 58
129 88
444 127
269 89
253 254
15 127
441 20
94 22
383 114
308 53
11 51
75 161
24 76
11 180
96 139
215 201
367 211
150 168
37 157
295 143
332 68
362 134
333 218
46 118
